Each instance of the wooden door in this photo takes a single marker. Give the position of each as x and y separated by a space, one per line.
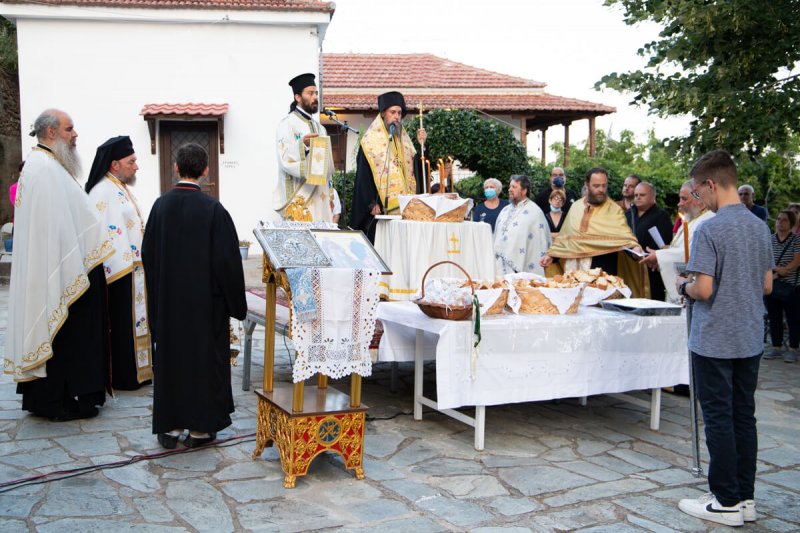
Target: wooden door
173 135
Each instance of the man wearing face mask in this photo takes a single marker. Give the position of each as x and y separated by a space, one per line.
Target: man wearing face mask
490 209
384 165
558 181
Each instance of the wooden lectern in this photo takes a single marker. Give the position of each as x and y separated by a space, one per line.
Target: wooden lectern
305 421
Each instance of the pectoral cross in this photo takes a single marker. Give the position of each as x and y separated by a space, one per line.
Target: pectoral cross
454 240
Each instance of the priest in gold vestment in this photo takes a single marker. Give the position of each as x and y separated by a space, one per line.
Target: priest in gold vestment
593 235
384 165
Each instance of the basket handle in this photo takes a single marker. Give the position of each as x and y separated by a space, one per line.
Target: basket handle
471 285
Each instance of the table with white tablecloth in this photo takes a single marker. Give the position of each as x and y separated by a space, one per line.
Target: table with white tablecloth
409 247
524 358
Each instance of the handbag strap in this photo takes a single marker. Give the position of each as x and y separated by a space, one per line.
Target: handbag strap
789 241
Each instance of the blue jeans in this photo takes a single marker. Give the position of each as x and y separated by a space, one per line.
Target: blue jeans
726 392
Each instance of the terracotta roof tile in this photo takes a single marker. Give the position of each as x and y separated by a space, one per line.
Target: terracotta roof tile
245 5
485 102
203 110
412 70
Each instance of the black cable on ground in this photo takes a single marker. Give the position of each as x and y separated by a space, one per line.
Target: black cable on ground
39 479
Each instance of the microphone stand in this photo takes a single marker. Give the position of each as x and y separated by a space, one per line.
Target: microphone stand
344 125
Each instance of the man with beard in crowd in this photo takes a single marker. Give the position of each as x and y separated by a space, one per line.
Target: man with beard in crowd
593 233
665 259
113 170
56 344
522 235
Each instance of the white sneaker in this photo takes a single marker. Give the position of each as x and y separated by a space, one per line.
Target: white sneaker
708 508
748 508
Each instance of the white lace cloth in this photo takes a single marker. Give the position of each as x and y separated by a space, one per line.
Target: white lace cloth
336 342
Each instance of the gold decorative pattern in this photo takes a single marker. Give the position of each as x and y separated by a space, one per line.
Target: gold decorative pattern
301 438
101 205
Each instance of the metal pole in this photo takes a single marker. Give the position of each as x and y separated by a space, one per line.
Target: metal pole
697 470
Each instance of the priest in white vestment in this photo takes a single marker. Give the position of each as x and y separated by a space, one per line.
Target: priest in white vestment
300 176
521 234
113 170
56 342
665 259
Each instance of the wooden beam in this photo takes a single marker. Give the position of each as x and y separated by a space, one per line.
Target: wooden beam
544 146
523 134
592 134
566 144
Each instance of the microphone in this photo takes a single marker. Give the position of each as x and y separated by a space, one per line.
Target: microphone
391 130
328 112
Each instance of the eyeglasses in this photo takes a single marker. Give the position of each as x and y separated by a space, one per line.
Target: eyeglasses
557 175
695 192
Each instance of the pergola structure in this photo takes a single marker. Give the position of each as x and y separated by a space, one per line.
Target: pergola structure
352 82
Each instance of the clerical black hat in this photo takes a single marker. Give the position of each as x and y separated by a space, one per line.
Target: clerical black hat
113 149
298 83
387 100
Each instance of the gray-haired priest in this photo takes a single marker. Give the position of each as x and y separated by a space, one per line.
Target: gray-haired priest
305 161
113 171
56 343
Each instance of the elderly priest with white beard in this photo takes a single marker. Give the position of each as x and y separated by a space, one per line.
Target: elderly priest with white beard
56 344
664 260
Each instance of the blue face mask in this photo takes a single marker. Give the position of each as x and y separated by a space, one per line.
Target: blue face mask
558 182
554 209
490 193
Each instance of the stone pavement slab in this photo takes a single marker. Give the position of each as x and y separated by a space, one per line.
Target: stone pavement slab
547 466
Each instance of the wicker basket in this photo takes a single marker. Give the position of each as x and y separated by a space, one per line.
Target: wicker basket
533 302
420 211
444 311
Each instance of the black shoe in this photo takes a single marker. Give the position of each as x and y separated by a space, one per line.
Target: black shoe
196 442
73 412
168 441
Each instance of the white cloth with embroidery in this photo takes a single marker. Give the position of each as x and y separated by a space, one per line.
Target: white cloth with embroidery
336 342
57 241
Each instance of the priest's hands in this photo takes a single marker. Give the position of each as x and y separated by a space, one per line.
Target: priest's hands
545 261
651 260
376 210
422 135
307 138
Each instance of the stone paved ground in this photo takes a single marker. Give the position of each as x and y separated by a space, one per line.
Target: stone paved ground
547 467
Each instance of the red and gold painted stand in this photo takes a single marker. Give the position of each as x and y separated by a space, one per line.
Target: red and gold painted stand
305 421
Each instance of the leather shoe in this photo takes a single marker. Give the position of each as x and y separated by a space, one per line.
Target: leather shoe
168 441
196 442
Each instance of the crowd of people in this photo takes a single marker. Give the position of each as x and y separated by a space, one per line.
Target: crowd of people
102 299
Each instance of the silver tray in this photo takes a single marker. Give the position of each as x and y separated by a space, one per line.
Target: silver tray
642 307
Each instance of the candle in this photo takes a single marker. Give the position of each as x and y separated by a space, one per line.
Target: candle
685 238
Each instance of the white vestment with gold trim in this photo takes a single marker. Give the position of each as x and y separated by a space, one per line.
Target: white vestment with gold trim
58 240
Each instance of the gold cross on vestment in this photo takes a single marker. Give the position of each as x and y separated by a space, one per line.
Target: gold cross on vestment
454 240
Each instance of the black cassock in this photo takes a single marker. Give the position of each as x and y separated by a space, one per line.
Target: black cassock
195 282
653 217
365 195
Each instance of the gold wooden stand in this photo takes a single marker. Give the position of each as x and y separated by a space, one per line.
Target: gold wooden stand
305 421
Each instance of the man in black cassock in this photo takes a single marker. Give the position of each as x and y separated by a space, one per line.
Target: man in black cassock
384 165
195 283
113 171
643 215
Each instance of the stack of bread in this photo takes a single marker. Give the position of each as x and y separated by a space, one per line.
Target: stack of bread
492 295
449 207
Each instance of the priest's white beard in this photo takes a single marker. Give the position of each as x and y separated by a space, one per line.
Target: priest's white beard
68 157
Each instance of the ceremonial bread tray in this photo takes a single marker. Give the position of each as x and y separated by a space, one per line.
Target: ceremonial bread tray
446 207
642 307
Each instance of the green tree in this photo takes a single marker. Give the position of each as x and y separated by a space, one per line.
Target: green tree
8 45
485 147
724 64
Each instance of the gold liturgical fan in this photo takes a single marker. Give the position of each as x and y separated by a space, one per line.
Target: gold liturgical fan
305 421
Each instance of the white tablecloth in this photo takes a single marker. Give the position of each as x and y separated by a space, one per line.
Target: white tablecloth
410 247
540 357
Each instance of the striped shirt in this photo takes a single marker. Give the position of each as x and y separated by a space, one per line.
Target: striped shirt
792 246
